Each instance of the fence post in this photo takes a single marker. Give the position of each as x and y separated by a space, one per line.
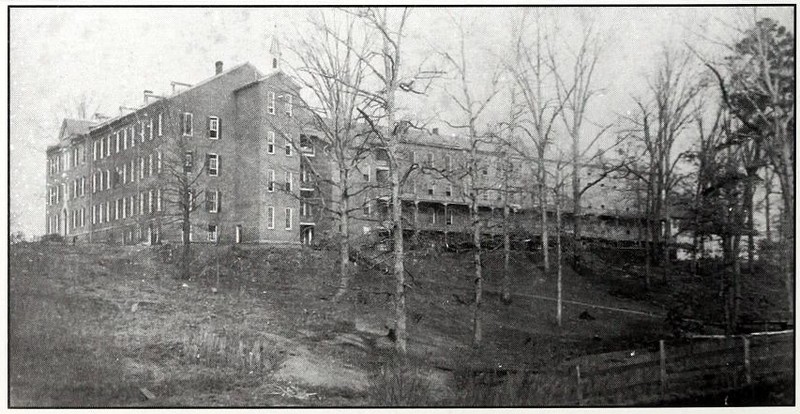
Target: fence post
663 370
579 386
747 374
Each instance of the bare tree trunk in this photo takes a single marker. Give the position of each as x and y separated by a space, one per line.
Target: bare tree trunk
751 246
767 218
558 247
186 225
506 252
543 212
476 306
344 244
737 288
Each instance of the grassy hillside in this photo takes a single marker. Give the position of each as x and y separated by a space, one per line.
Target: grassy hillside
113 326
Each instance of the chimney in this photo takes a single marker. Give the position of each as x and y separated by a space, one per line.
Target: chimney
435 131
147 94
219 67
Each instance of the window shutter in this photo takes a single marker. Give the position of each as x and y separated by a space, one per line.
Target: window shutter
208 201
219 128
219 201
208 164
219 164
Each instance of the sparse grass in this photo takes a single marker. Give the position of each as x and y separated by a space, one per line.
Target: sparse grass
90 325
398 383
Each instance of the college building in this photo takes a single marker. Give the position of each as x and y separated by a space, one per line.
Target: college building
258 176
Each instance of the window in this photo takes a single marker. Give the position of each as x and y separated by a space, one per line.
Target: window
449 219
102 148
150 164
213 165
270 217
108 179
124 173
150 201
83 185
382 175
305 209
270 180
186 124
304 175
288 145
271 103
141 168
116 209
108 211
433 216
271 142
133 170
188 161
133 136
449 191
124 139
413 157
124 207
307 145
288 185
288 223
141 131
366 174
448 162
431 189
150 130
212 201
108 146
158 199
116 138
141 202
429 160
94 183
212 232
159 124
213 127
381 154
289 105
158 162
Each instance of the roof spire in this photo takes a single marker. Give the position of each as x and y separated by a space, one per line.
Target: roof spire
275 49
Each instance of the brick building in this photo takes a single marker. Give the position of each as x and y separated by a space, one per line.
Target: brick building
239 137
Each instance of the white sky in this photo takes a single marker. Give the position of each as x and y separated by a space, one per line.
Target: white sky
112 55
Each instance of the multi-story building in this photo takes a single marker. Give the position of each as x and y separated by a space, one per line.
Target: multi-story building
237 141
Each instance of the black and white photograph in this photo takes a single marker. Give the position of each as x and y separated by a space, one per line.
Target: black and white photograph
463 206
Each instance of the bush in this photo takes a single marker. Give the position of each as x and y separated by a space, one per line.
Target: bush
53 237
400 385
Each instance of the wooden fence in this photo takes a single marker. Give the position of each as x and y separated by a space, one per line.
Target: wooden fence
699 366
694 367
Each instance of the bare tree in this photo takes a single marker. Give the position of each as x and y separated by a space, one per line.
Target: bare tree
386 64
181 191
471 104
332 70
660 121
575 89
532 72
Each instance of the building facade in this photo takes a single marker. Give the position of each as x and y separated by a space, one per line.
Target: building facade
255 175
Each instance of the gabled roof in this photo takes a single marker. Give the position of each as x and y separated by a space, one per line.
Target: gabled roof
268 77
71 127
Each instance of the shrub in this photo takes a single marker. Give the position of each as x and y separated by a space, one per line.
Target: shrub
398 384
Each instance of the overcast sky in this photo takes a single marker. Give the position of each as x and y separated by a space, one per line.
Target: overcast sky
111 55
